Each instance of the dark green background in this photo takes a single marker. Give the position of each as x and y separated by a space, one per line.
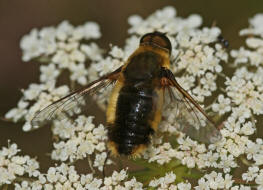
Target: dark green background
18 17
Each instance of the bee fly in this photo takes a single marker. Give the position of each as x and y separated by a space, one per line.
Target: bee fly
135 106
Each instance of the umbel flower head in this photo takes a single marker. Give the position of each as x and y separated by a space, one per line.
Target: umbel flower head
172 160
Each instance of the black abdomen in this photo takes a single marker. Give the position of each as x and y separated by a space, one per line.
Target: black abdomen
134 111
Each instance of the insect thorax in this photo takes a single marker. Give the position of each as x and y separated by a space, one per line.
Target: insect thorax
143 67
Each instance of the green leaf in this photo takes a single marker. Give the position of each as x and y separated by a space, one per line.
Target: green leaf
155 170
146 164
43 59
145 176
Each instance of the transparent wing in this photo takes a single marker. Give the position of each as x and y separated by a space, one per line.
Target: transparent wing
73 103
191 118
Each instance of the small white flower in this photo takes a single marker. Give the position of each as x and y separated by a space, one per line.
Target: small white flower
79 139
259 180
91 30
187 82
79 73
163 182
64 29
248 128
254 42
256 26
48 72
184 186
100 160
223 105
62 59
92 51
209 81
52 176
214 181
24 186
17 113
135 20
251 174
12 166
31 46
116 52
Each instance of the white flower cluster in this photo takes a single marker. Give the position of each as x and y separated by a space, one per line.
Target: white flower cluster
223 106
254 173
252 56
79 139
200 62
47 40
215 180
13 166
164 182
163 20
163 153
222 155
245 89
66 177
193 154
62 47
117 181
35 98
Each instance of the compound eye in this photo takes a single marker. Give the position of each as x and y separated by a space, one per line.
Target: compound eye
157 38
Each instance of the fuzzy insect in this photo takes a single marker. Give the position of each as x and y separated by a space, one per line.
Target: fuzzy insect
135 106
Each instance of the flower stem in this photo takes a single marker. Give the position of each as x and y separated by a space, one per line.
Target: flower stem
245 161
90 165
240 181
20 179
72 85
5 187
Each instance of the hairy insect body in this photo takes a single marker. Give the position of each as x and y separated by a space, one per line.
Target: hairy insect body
135 106
135 109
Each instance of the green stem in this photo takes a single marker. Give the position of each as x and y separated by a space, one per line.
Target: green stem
210 106
90 165
72 85
5 186
223 90
245 161
222 75
253 120
240 181
6 120
20 179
